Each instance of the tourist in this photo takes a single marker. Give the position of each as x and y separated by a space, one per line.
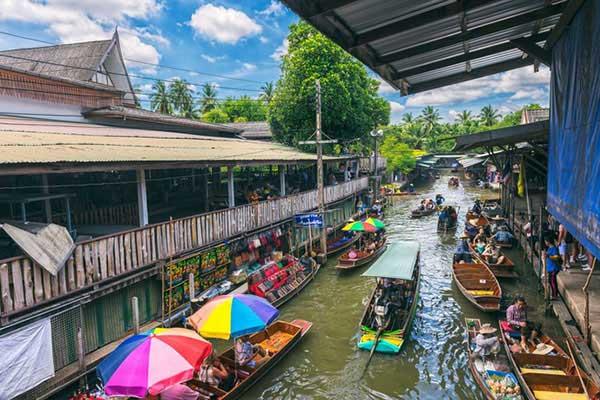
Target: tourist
245 352
486 342
178 391
503 236
563 246
516 316
481 236
552 261
462 254
480 245
213 373
476 207
492 254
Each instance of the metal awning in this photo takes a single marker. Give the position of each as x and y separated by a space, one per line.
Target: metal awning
534 132
397 262
471 162
421 45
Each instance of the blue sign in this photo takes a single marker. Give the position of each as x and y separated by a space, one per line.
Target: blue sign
309 220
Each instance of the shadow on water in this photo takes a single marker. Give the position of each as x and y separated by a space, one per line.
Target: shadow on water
432 364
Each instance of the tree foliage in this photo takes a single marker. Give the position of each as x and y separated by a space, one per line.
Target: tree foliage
351 106
216 116
160 100
399 155
182 100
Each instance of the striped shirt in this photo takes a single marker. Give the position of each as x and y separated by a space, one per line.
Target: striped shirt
515 315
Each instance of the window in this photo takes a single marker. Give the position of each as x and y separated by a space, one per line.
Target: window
101 77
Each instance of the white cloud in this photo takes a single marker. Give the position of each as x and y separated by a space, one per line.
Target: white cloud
86 20
212 59
244 70
384 87
396 107
223 25
263 39
452 114
534 94
274 9
281 50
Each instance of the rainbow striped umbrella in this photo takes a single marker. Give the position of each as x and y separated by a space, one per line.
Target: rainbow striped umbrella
360 226
233 315
152 361
377 223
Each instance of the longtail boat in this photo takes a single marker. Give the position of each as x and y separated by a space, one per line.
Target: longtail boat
279 339
403 194
477 220
362 258
386 321
493 374
504 270
422 213
547 372
478 284
339 243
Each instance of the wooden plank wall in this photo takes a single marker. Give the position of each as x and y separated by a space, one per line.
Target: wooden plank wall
23 283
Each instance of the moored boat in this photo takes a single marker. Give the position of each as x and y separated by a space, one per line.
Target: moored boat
339 243
422 213
493 374
477 220
547 372
279 339
506 269
478 284
387 319
403 194
345 262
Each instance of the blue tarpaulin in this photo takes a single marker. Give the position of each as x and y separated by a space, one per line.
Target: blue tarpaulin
574 142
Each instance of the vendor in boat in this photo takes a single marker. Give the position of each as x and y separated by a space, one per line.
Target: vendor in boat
307 262
439 199
246 352
486 342
516 316
213 373
411 188
480 245
481 236
492 254
503 235
476 207
462 254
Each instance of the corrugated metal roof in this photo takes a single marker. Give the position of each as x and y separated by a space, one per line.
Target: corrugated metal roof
25 141
470 162
393 37
252 130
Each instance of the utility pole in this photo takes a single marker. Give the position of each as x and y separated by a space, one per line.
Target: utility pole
320 184
376 134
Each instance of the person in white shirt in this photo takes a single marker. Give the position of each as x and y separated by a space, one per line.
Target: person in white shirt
486 342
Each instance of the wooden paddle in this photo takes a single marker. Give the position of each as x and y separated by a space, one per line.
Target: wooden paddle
377 336
577 369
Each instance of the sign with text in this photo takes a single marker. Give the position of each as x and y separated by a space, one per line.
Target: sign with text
309 220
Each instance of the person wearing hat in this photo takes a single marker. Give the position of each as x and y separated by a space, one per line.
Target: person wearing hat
486 341
462 254
503 235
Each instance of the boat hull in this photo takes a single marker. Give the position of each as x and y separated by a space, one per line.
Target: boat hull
478 285
345 265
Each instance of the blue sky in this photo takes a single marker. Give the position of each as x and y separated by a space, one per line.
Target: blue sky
237 39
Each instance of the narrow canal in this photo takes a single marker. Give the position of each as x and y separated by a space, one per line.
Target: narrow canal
432 364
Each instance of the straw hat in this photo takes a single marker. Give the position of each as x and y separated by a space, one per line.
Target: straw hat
487 329
497 218
543 349
465 236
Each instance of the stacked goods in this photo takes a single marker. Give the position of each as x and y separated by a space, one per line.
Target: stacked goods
276 280
503 386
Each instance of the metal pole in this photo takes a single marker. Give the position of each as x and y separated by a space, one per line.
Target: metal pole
142 198
47 202
230 187
375 185
135 311
192 286
320 184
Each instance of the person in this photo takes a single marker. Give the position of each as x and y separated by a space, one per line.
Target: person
462 254
552 261
429 204
443 215
353 254
439 199
492 254
516 316
503 235
307 262
411 188
371 246
486 342
480 246
563 248
178 391
213 373
481 236
245 352
476 207
471 230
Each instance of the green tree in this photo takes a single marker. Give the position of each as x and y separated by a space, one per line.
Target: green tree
208 101
160 101
181 98
399 156
489 115
408 118
431 117
351 106
216 115
464 117
246 107
267 92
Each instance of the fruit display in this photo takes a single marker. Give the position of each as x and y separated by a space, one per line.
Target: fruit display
504 387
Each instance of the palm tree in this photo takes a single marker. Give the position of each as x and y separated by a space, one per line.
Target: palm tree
181 97
430 116
160 101
408 118
267 92
209 98
464 117
488 115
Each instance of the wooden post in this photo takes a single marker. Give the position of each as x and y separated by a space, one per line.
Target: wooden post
587 329
47 202
205 205
192 286
230 187
282 180
135 314
142 198
80 349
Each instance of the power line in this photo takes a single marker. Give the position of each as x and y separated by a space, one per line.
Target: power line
145 63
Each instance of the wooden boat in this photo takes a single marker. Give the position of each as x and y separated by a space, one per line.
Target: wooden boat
447 225
335 244
492 370
403 194
364 258
301 285
399 263
477 220
552 376
280 338
478 284
505 270
422 213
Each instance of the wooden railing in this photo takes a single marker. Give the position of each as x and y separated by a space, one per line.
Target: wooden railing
24 284
122 214
368 163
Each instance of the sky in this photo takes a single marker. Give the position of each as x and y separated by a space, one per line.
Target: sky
242 41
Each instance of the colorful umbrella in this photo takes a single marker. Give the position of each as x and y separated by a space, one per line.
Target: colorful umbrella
233 315
152 361
377 223
360 226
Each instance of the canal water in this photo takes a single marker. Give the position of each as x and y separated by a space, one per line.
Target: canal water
432 365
